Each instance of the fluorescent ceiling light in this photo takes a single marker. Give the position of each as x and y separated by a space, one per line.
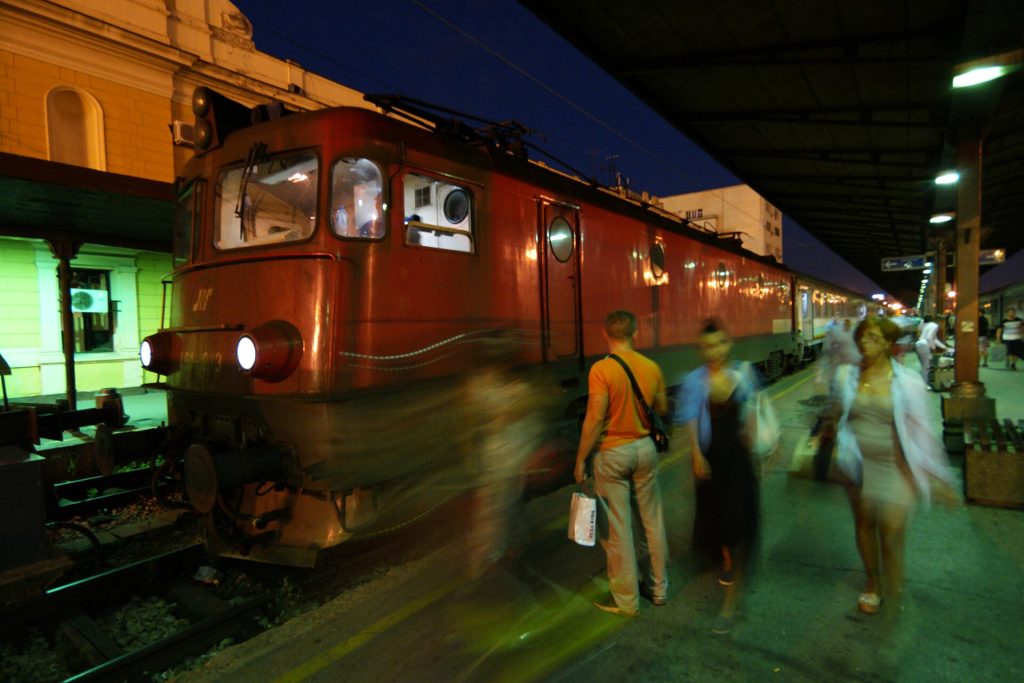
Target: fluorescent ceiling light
977 76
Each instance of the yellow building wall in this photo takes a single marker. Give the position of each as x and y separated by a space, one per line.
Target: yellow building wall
19 310
137 143
19 314
135 122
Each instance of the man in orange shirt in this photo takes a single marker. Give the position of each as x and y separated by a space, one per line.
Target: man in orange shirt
626 465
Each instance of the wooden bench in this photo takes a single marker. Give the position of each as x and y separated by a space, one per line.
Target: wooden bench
994 462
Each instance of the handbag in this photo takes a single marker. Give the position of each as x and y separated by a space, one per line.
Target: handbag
815 455
658 426
763 435
582 518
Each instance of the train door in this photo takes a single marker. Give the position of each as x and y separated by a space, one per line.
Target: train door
806 313
559 242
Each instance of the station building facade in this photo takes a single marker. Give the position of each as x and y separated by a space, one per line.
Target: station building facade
108 86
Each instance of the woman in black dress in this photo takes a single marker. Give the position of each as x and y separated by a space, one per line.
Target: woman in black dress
713 404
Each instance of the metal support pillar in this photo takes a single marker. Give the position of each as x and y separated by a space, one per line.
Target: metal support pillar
64 251
968 240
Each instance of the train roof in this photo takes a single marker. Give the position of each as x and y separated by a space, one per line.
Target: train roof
499 147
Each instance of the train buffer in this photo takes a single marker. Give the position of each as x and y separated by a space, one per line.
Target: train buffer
994 462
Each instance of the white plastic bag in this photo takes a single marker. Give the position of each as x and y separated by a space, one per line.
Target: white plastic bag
582 518
762 428
766 432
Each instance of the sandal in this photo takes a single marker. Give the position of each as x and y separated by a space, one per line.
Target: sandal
727 577
868 603
721 625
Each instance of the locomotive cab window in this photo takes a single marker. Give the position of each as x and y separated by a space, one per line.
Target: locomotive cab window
185 214
438 214
358 208
271 201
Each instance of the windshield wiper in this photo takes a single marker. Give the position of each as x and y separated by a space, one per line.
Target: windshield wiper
256 152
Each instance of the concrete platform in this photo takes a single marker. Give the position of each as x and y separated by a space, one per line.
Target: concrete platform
531 619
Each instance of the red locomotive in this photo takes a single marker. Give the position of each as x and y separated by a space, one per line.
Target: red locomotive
335 273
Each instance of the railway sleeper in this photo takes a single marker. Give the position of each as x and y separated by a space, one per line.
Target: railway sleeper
91 642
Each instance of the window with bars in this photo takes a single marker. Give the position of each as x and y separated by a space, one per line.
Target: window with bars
92 310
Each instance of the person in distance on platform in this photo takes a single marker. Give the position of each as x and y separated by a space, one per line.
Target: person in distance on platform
625 467
1011 332
983 340
927 343
712 406
888 449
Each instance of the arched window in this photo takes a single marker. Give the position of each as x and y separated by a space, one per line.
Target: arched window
74 127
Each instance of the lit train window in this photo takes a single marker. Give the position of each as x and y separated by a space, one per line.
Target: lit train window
560 239
358 208
438 214
272 201
658 259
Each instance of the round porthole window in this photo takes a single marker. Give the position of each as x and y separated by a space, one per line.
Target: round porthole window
658 259
456 206
560 239
722 275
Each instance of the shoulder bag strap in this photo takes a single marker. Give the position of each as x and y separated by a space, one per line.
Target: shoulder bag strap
636 390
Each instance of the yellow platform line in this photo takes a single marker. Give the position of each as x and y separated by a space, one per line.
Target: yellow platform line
325 659
793 387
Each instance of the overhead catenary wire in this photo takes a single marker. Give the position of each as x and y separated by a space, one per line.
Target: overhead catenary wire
509 63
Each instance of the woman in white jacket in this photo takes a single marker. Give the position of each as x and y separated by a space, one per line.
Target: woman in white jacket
888 447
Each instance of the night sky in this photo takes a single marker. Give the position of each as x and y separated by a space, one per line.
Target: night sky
497 61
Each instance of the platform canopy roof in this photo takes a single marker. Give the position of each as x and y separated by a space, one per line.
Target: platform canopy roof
839 112
53 201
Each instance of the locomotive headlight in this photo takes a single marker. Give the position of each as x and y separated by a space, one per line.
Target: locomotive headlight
245 351
160 352
271 351
146 353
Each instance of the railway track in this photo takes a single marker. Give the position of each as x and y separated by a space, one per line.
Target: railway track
74 613
90 495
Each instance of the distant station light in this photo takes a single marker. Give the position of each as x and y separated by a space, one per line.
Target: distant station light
989 257
947 178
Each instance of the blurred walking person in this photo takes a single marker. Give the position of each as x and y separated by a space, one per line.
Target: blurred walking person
889 450
625 467
504 412
714 407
